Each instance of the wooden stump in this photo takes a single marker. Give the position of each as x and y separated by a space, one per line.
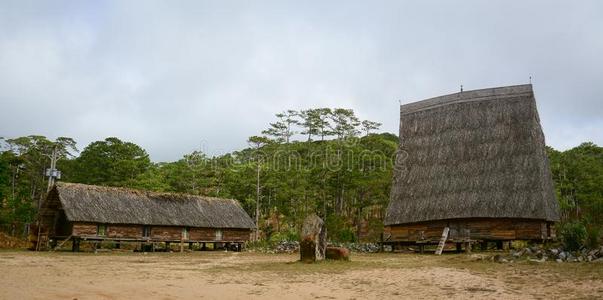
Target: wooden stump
337 253
313 240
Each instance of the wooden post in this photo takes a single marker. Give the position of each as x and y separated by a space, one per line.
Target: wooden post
484 245
203 248
467 247
421 248
459 248
499 245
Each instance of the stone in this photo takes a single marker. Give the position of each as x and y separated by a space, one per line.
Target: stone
337 253
554 251
313 239
499 259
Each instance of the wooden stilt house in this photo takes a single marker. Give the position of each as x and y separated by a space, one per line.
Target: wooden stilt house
80 212
473 162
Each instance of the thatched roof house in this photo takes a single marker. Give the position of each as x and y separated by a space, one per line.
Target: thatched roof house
97 212
472 155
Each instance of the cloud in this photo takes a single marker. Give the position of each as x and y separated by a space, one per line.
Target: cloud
173 77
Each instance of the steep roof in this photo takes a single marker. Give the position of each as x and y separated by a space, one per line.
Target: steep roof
473 154
89 203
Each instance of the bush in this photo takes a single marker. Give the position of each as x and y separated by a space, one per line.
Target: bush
573 235
338 231
287 235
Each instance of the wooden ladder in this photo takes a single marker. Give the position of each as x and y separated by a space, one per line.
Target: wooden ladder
442 242
62 243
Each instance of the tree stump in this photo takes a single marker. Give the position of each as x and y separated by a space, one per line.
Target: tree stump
313 239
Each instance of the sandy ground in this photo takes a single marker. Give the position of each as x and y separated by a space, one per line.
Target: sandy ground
213 275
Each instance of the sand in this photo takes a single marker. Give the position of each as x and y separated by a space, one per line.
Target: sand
231 275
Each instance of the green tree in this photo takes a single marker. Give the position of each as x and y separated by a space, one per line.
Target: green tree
111 162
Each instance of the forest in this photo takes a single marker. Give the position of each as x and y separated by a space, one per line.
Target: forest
320 160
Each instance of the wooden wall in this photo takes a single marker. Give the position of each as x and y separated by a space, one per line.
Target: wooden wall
124 231
161 233
166 233
236 234
202 234
81 229
474 229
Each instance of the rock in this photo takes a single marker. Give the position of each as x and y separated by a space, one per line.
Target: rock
337 253
559 260
499 259
540 254
478 256
313 240
537 260
554 251
563 255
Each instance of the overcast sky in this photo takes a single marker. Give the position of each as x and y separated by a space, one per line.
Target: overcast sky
175 76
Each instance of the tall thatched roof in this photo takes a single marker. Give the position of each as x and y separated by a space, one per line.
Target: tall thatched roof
89 203
473 154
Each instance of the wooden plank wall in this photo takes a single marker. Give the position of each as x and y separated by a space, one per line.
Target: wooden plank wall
161 233
236 234
166 233
202 234
80 229
124 231
476 229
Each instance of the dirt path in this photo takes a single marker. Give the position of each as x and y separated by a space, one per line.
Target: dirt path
211 275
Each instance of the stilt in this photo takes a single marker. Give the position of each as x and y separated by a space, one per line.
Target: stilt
499 245
459 248
167 246
484 245
75 246
203 247
117 245
467 247
421 248
153 247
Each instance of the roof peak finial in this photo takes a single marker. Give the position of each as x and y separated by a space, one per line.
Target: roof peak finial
461 88
530 79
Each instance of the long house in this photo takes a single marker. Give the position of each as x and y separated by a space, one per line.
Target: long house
79 212
473 162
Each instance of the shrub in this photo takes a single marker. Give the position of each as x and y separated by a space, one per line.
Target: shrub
573 235
593 234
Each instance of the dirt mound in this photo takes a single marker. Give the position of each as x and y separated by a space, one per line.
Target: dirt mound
9 242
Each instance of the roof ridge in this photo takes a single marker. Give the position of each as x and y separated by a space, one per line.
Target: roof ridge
467 96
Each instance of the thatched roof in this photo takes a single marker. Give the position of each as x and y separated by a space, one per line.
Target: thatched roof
473 154
89 203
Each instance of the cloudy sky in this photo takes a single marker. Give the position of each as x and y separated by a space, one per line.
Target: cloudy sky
177 76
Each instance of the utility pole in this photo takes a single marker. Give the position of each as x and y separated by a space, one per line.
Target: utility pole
257 203
53 173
